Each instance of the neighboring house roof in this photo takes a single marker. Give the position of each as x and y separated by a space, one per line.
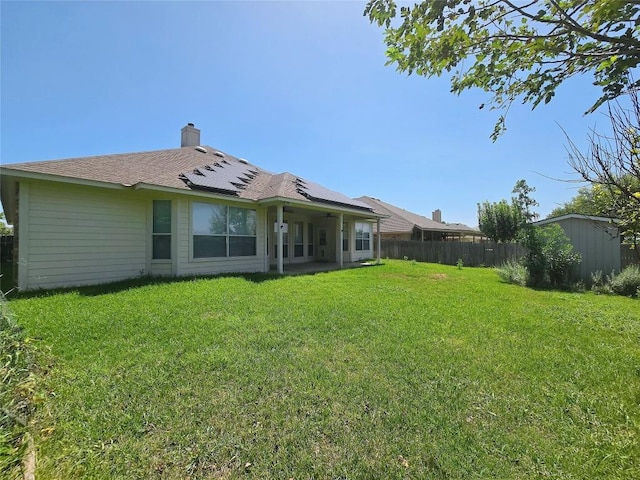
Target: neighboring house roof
401 221
591 218
199 168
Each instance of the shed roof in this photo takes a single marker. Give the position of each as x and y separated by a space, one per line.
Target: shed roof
577 216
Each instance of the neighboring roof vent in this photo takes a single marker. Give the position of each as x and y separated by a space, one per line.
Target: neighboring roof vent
242 160
201 149
190 136
218 154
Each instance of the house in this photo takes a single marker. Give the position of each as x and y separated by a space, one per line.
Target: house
405 225
193 210
596 239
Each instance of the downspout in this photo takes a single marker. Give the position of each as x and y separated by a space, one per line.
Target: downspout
280 222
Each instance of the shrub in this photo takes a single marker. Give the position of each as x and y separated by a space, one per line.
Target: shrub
513 272
600 282
626 282
551 261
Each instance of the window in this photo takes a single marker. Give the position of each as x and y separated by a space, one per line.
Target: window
161 249
310 239
285 242
221 231
345 237
363 236
298 239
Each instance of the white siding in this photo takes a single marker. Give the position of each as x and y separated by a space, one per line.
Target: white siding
74 235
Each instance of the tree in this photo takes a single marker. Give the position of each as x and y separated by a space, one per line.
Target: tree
611 165
503 221
513 48
4 228
589 200
524 201
499 221
550 260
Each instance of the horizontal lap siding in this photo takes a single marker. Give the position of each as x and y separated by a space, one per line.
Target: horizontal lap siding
80 235
358 255
187 266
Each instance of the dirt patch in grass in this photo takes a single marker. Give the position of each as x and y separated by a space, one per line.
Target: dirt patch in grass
438 276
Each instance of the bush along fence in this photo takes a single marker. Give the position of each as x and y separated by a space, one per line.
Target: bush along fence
487 254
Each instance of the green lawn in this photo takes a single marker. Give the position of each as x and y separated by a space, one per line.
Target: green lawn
403 370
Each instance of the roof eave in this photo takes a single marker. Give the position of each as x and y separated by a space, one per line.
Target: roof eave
320 206
191 193
22 174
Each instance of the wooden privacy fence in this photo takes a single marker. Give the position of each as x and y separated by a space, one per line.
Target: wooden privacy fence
487 254
628 256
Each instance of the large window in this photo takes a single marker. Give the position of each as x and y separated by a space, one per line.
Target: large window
363 236
345 237
310 239
221 231
298 239
161 249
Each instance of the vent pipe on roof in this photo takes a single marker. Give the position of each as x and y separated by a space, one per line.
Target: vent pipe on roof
190 136
436 215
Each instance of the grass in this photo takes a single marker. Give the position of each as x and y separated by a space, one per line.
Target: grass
404 370
17 393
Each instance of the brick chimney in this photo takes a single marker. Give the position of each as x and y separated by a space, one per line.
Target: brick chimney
436 215
190 136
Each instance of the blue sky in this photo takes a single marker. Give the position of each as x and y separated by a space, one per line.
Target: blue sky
291 86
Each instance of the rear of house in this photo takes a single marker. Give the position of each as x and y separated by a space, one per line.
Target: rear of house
187 211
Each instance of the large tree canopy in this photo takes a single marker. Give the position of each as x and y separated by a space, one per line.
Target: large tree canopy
515 49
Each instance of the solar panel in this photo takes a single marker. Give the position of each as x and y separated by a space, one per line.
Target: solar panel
221 176
314 191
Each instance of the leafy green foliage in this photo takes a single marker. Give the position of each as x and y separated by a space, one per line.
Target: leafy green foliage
503 221
513 272
593 200
500 221
550 260
627 282
514 49
4 228
612 167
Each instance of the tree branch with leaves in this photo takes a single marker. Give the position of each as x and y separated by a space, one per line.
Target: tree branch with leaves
514 50
611 165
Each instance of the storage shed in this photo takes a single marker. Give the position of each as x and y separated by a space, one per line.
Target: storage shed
597 239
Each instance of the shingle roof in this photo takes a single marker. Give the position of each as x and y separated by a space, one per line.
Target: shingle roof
186 168
402 221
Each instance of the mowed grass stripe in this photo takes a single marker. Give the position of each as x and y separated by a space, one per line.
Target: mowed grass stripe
404 370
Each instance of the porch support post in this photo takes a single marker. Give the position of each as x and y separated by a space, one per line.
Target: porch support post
280 223
378 240
339 238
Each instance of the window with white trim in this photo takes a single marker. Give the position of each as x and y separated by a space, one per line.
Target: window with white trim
298 239
222 231
345 237
363 236
161 237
